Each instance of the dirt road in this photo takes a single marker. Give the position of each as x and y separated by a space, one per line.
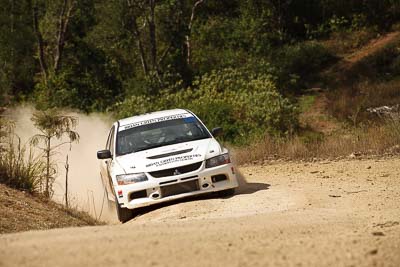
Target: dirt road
288 214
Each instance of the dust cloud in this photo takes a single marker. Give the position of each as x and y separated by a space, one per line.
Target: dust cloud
85 187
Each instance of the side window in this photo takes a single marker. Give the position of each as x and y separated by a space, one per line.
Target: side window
112 145
109 139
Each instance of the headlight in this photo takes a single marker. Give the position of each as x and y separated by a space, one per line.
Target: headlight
131 178
218 160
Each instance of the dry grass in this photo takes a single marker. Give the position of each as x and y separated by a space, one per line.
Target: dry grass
19 167
22 211
26 208
342 43
350 104
376 59
81 215
374 140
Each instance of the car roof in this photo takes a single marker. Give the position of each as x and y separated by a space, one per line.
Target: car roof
124 123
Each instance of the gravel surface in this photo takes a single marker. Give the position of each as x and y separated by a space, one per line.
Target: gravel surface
344 213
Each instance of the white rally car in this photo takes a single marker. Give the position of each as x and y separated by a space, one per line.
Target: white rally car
162 156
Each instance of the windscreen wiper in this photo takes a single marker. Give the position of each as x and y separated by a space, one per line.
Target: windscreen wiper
155 146
125 153
172 142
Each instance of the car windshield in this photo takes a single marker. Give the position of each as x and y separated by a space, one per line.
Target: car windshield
160 134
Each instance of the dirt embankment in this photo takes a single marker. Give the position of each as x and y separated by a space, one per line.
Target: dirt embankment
20 211
85 189
344 213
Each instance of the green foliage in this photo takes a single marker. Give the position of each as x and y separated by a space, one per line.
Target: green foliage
112 49
86 78
300 64
348 16
243 104
16 49
55 92
83 91
306 102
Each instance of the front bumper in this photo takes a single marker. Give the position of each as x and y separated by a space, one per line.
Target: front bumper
158 190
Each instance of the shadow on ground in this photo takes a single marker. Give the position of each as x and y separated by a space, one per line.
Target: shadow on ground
243 189
248 188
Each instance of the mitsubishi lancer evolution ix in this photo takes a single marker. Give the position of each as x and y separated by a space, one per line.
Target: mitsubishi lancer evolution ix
162 156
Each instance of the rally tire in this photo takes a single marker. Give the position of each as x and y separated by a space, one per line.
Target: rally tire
227 192
123 214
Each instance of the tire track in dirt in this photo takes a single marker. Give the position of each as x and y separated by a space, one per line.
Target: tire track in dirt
344 213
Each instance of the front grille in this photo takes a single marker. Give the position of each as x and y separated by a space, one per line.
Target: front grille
176 189
177 170
138 194
168 182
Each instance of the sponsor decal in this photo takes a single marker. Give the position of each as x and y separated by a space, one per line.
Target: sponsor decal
174 159
150 121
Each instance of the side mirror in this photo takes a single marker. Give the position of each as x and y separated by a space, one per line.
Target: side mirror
217 131
104 154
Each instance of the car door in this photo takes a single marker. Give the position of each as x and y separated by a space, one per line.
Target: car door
105 166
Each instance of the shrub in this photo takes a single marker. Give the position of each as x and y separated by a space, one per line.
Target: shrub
79 91
243 104
300 64
19 168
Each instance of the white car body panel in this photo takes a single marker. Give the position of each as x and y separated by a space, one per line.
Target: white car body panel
175 157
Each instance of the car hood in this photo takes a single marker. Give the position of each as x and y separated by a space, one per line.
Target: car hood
170 156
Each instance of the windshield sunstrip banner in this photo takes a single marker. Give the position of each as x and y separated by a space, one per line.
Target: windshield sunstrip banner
155 120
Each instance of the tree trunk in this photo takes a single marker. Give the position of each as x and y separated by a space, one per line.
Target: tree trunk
63 22
140 46
12 16
39 38
152 34
137 34
188 36
66 183
12 26
47 189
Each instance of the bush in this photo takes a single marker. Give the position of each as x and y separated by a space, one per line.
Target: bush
19 168
243 104
300 64
83 91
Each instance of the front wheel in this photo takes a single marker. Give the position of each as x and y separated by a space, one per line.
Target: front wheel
124 214
227 192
